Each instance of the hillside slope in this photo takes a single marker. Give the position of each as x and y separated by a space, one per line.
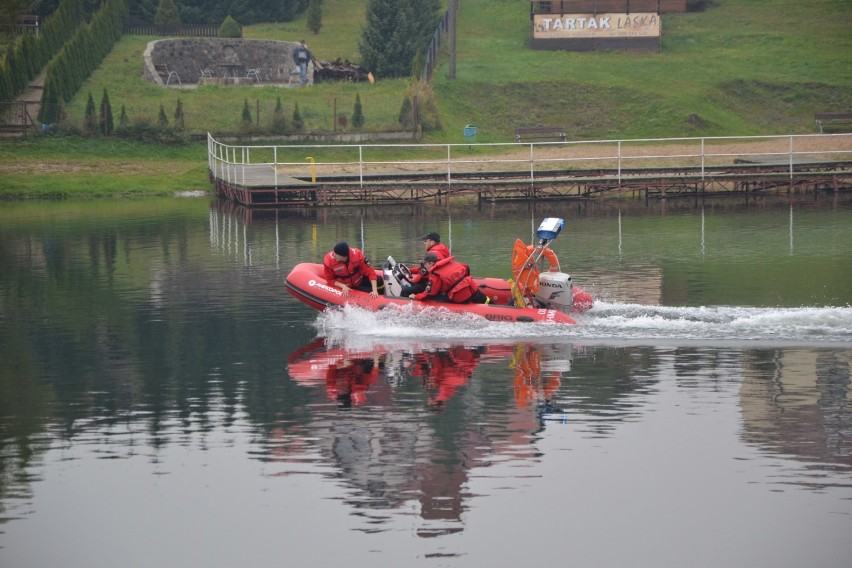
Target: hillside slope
743 67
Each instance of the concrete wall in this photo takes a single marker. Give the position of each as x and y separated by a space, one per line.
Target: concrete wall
187 56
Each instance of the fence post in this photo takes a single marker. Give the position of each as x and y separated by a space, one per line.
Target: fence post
361 165
791 157
532 167
449 168
619 162
275 165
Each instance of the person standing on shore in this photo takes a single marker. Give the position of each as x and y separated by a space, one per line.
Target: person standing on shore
302 56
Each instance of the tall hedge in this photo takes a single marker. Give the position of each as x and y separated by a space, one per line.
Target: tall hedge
30 53
83 54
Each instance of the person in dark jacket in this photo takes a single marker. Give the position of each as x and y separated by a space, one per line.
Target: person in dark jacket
347 268
446 276
302 56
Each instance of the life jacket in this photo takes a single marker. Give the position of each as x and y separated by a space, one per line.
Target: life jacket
454 278
351 273
440 249
524 269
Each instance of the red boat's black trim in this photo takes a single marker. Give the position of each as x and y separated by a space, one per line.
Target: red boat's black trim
305 297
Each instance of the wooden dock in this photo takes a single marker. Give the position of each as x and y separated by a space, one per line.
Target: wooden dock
264 185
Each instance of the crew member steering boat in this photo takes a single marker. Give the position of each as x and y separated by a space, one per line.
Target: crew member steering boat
452 278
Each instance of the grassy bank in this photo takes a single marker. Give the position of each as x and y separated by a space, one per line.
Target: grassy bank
78 167
740 68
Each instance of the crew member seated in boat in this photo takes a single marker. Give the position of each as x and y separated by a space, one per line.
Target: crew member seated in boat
432 242
348 269
446 276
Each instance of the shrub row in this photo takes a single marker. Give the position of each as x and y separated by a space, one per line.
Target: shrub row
79 57
30 52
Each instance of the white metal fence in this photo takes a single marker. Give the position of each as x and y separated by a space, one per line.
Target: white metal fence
695 158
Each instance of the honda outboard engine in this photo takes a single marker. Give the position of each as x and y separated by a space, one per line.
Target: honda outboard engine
555 291
556 357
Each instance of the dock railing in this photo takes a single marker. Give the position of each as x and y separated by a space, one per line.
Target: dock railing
693 158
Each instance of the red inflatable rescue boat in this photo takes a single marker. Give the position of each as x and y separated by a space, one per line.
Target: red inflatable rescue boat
531 296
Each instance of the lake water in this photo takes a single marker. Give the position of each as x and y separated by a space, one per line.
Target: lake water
164 402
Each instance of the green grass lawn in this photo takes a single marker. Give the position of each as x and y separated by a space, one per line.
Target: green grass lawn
740 68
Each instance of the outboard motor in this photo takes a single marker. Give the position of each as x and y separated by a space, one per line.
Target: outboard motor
549 229
555 291
556 357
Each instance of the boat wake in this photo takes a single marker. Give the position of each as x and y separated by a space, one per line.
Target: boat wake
609 323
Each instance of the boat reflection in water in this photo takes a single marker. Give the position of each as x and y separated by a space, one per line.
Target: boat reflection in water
395 429
348 374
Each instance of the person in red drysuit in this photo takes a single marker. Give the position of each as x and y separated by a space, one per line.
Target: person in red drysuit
446 276
432 242
347 268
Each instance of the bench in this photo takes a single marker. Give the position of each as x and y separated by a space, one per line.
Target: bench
540 133
841 121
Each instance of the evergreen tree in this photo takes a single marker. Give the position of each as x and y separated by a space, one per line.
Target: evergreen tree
162 120
123 119
279 121
230 28
48 112
167 13
405 117
298 123
143 10
427 14
358 113
393 32
16 71
179 114
90 122
214 11
105 121
7 93
246 114
417 65
315 16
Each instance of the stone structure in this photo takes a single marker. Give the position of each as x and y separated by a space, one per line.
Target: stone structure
228 58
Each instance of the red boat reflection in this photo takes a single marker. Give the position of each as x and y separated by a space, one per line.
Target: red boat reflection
350 375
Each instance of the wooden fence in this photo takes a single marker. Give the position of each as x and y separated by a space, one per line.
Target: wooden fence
18 118
172 30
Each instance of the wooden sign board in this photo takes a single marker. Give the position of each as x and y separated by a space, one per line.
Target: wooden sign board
636 31
573 26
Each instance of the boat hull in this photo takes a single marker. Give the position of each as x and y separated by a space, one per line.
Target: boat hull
306 282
